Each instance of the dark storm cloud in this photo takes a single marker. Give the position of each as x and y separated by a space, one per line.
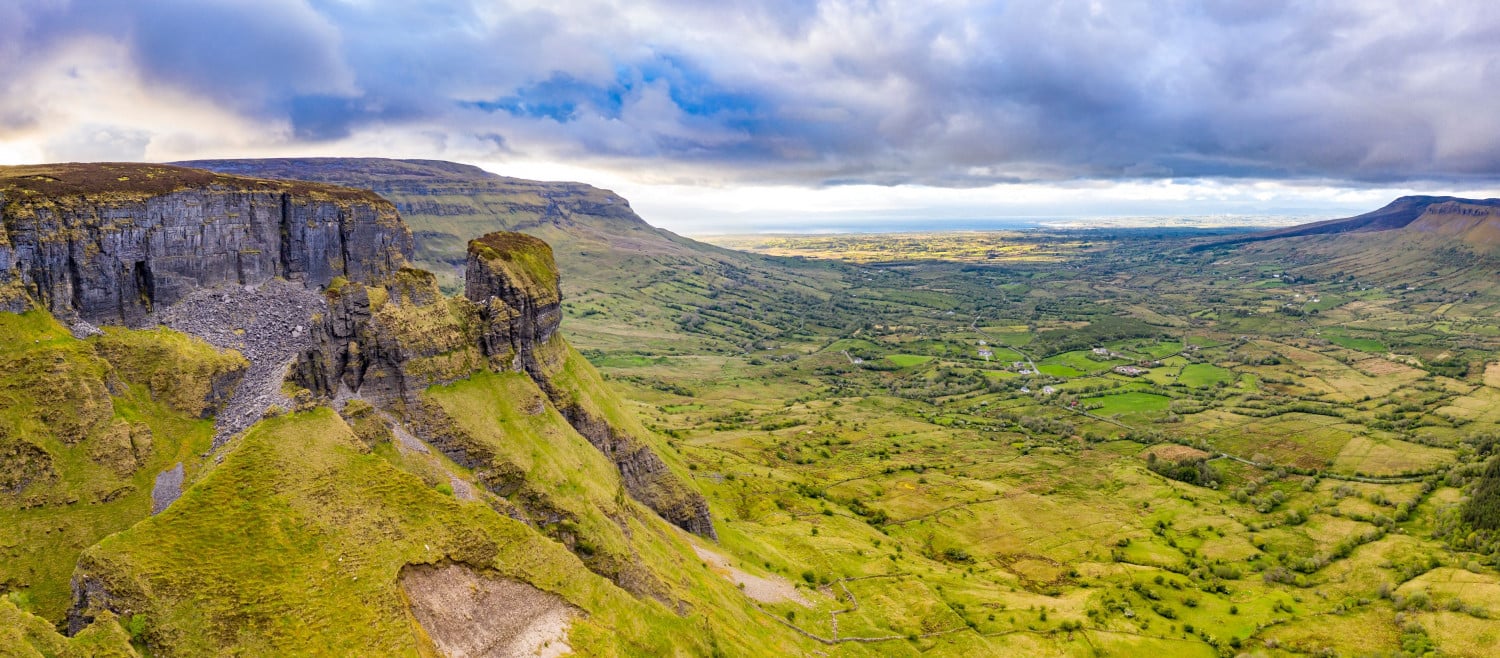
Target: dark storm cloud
947 93
249 55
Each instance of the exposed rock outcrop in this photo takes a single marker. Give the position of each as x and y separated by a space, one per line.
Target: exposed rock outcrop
447 204
470 614
514 281
108 243
390 343
646 476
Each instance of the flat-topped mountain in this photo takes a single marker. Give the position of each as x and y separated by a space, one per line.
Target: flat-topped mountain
1474 221
448 203
626 282
110 242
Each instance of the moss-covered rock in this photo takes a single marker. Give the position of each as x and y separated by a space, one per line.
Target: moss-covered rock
24 635
513 279
81 439
181 371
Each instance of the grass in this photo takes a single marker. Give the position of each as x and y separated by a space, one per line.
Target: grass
907 360
1133 403
1384 457
298 522
1079 362
101 451
24 634
1355 343
1058 370
182 371
1203 375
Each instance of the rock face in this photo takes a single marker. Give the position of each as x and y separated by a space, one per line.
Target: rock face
514 281
646 476
388 344
447 204
108 243
1472 222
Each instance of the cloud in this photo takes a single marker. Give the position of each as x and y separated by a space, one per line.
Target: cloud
97 142
952 93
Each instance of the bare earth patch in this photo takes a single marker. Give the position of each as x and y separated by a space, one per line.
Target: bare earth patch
1492 375
1378 366
765 590
468 614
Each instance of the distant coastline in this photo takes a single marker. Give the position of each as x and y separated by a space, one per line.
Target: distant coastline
929 225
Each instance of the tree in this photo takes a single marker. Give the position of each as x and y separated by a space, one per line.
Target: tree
1483 508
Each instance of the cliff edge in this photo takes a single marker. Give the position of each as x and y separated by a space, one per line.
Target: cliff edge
108 243
390 343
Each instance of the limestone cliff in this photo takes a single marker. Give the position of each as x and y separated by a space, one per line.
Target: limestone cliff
108 243
389 343
513 280
1472 221
621 271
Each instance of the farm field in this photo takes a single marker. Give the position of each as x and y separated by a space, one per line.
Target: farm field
1049 448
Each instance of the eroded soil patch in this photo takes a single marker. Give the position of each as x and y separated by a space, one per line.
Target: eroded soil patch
470 615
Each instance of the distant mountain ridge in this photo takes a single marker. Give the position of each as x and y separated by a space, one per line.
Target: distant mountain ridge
1476 221
449 203
625 281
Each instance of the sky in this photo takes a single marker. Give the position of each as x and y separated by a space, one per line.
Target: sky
788 114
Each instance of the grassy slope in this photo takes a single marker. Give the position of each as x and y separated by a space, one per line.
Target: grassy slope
55 397
24 635
294 543
562 464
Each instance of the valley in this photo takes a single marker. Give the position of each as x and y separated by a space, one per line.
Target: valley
1073 442
1104 450
814 329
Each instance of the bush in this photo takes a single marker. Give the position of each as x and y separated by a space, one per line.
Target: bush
957 555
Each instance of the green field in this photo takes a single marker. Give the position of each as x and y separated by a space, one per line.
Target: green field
1058 370
1354 343
907 360
1128 403
1200 375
